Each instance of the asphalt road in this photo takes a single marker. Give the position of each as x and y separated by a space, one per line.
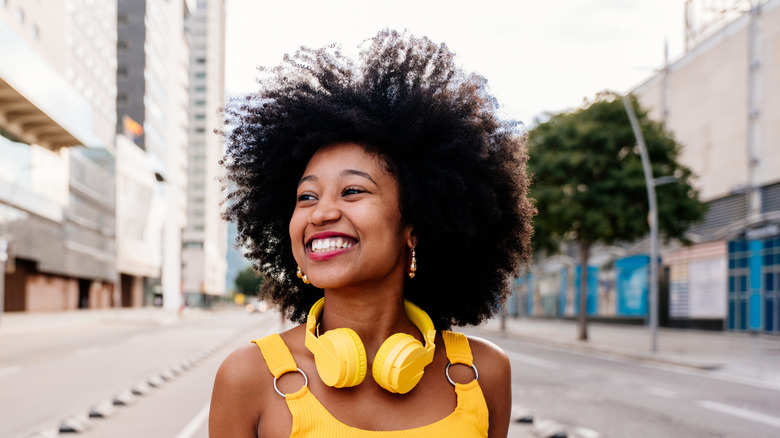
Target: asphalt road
613 397
47 377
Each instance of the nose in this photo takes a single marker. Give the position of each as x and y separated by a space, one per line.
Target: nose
326 211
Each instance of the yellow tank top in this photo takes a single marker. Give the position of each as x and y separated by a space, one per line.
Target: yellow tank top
311 419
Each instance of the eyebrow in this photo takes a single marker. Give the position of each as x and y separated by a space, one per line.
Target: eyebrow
345 172
348 172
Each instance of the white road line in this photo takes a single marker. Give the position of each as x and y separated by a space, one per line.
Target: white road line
739 412
192 427
586 433
530 360
10 370
660 392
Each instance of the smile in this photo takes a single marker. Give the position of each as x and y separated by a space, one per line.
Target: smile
330 244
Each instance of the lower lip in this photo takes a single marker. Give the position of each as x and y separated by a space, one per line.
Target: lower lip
321 256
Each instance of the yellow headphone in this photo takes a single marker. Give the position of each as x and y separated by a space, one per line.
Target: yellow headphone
398 365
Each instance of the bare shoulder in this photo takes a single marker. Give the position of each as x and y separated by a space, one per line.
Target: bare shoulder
238 399
490 357
495 379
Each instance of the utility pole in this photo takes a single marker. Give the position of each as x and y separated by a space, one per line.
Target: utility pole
754 113
652 218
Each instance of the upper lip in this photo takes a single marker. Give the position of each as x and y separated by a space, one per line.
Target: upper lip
327 234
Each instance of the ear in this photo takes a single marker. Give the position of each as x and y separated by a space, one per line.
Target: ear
410 236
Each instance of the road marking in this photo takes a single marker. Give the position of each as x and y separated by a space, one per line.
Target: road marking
10 370
192 427
530 360
660 392
586 433
739 412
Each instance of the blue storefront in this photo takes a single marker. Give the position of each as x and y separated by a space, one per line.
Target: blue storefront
754 281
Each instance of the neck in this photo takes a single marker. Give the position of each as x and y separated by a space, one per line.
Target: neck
373 316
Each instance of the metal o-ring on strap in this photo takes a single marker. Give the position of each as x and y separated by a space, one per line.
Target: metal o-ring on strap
447 372
305 382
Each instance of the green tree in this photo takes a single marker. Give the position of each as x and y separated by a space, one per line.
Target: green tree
247 282
589 184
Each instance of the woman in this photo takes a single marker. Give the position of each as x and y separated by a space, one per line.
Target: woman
343 177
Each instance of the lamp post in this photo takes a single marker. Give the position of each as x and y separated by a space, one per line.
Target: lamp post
652 219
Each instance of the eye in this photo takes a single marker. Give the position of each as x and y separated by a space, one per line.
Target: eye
353 191
306 197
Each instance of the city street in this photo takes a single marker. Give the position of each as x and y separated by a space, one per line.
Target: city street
53 373
619 397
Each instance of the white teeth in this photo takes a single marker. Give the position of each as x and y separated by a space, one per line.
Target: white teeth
328 244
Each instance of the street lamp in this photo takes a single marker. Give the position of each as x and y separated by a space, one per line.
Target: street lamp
652 218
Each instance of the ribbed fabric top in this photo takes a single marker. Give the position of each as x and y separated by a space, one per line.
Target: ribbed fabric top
311 419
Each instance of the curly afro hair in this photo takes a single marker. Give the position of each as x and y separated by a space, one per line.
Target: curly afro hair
460 168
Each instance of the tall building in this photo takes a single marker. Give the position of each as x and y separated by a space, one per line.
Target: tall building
205 237
57 118
152 120
721 100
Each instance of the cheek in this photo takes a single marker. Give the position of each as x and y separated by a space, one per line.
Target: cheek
296 227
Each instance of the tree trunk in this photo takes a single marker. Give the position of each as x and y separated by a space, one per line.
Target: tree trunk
582 316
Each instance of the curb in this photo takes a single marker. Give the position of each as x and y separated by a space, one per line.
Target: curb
523 420
81 422
591 348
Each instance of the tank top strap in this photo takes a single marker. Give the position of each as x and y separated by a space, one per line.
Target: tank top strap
277 355
457 347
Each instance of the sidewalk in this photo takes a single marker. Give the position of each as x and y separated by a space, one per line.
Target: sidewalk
739 355
14 323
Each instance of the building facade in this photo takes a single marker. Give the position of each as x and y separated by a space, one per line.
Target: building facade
152 115
57 118
721 100
204 253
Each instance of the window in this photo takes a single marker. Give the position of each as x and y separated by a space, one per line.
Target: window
200 103
200 75
200 89
121 99
200 117
123 19
122 45
121 72
201 60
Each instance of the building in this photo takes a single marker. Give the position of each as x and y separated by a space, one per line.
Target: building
205 237
152 101
721 100
57 118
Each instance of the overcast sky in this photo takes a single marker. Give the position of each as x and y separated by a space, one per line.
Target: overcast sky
538 56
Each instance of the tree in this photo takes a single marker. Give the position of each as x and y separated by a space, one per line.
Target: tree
247 282
589 184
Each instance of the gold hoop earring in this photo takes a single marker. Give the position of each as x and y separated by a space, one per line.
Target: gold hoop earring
302 276
412 263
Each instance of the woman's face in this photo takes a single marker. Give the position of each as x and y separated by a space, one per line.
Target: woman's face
346 229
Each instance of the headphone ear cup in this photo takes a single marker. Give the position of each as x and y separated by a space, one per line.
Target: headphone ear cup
399 363
345 365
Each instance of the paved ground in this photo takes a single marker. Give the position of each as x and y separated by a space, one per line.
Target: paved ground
753 358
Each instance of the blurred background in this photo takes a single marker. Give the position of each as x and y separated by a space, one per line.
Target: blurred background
110 221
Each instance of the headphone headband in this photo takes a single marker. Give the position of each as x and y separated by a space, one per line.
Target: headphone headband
398 365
